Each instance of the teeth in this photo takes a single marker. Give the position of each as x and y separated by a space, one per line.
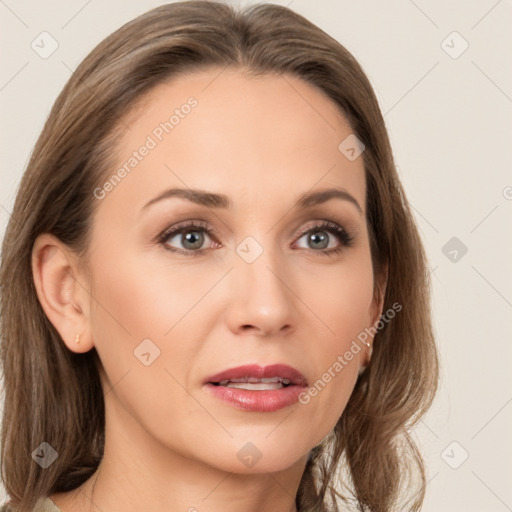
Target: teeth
271 379
254 386
254 380
234 383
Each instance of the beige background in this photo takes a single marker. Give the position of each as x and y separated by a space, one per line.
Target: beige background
450 122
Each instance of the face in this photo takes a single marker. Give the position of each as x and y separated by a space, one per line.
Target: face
186 288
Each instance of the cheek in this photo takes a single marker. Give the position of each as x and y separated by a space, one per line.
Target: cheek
136 300
142 298
340 298
136 311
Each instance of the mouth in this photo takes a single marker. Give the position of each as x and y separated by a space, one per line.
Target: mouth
255 377
257 388
254 384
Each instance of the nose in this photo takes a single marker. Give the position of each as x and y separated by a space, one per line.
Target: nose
261 298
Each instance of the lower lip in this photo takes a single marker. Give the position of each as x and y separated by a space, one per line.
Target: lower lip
258 401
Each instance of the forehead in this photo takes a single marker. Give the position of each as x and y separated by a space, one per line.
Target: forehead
223 130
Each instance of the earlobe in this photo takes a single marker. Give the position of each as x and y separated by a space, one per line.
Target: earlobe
61 295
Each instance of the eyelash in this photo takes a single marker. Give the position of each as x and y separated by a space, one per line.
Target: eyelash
346 240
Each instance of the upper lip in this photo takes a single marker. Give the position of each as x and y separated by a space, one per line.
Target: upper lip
282 371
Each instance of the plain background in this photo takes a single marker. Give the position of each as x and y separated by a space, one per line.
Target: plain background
449 116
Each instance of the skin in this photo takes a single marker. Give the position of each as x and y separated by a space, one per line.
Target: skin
262 141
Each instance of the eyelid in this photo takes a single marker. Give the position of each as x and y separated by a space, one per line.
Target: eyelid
188 224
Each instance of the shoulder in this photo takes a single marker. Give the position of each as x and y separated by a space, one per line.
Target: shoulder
46 505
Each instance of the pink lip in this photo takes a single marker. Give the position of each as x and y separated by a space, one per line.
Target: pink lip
262 400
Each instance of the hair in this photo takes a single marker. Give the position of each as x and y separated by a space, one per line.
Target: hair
54 395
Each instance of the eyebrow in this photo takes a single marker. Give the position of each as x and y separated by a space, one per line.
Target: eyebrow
213 200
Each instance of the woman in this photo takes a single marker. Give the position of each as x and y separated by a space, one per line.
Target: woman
214 295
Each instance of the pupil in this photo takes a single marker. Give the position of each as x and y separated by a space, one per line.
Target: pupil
195 238
324 242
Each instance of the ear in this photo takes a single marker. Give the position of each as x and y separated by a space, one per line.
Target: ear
380 293
62 291
375 313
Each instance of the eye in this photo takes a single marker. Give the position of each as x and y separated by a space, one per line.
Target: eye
321 238
190 235
190 238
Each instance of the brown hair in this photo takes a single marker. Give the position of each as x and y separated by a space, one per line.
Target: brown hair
55 395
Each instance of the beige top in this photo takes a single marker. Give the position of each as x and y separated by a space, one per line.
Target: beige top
47 505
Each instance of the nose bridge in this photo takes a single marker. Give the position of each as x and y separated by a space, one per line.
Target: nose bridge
262 296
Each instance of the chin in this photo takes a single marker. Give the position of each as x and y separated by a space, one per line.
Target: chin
253 457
